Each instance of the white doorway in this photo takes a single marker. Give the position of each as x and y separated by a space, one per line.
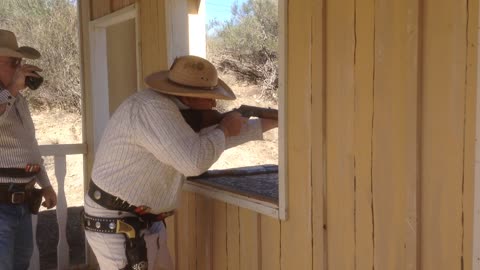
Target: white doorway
115 64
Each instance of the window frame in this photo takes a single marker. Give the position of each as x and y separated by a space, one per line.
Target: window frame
177 14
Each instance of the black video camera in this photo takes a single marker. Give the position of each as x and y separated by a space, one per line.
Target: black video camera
33 82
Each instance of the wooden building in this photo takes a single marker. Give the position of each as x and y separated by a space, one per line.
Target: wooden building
378 130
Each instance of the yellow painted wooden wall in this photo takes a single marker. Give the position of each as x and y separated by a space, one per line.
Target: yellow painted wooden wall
381 100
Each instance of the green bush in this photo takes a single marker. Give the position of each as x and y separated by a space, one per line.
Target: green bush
50 26
247 44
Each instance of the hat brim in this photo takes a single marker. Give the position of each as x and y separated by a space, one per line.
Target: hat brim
159 82
22 52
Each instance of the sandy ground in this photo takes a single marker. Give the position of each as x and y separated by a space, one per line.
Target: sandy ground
58 127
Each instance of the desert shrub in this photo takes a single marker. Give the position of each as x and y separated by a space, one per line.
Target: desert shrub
247 44
50 26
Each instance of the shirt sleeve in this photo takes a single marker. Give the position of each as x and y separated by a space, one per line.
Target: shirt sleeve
42 177
163 131
252 131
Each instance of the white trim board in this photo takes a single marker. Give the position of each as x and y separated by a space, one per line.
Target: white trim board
99 65
259 206
282 118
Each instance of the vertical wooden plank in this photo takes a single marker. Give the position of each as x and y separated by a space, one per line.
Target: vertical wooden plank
186 233
219 236
470 124
181 236
172 237
233 237
153 36
269 252
364 68
394 162
340 94
443 119
99 8
249 236
318 128
296 232
203 213
119 4
191 232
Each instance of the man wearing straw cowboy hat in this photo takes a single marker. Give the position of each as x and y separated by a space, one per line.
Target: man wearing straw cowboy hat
21 164
146 151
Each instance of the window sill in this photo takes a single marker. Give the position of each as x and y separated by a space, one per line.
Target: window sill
254 188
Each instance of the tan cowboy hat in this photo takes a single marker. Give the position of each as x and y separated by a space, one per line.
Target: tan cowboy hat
9 47
190 76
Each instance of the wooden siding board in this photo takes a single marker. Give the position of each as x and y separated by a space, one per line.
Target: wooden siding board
185 233
153 36
470 125
318 132
296 232
171 225
219 235
119 4
394 162
443 118
340 129
249 236
181 239
204 215
269 252
99 8
364 68
233 237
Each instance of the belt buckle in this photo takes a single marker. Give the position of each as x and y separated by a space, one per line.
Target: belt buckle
18 197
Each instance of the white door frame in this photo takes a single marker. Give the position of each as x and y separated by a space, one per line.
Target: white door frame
99 65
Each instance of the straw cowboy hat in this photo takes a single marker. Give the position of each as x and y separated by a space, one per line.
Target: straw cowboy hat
9 47
190 76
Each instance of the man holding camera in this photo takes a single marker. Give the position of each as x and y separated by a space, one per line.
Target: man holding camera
21 164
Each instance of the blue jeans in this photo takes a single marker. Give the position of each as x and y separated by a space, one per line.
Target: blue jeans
16 237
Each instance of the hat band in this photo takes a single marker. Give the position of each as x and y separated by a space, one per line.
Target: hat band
190 86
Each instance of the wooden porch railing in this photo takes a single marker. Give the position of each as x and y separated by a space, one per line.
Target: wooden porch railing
59 152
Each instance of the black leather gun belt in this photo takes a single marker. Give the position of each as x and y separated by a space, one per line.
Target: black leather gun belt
29 171
126 225
111 202
15 193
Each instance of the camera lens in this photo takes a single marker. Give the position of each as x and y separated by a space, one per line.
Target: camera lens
33 82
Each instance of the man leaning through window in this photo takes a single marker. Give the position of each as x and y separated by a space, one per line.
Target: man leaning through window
146 151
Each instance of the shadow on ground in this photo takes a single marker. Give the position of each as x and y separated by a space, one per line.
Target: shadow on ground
47 237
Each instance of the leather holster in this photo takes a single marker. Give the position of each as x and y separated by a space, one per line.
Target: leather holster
34 200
